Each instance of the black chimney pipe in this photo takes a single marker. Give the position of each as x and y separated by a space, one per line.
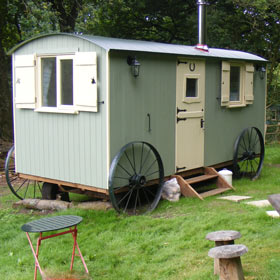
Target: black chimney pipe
202 25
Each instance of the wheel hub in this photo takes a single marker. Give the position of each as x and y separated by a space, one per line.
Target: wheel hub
250 155
137 180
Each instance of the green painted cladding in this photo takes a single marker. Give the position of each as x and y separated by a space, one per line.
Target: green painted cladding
132 99
223 125
64 147
79 148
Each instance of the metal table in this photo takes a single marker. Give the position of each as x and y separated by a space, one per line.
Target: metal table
52 224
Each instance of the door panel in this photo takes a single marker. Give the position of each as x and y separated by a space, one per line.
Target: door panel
190 96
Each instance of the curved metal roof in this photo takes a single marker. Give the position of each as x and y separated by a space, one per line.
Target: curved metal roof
153 47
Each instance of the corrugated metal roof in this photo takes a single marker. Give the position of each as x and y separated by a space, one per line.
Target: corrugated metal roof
153 47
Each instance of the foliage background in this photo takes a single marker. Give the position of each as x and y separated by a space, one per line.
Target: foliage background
252 26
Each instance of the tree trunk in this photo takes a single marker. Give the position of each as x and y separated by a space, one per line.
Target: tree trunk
5 92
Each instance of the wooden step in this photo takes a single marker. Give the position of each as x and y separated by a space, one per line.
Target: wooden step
188 190
200 179
214 192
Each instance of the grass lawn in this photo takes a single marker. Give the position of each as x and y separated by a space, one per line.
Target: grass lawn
169 243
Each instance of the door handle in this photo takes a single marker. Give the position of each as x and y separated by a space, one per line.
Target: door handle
180 168
202 123
149 122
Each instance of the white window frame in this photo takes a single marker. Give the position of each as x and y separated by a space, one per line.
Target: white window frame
27 82
246 95
60 108
191 99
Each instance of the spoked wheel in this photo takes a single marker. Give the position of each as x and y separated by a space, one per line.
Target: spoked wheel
136 178
248 153
21 188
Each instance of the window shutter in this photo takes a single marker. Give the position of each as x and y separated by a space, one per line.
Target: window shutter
225 83
85 81
249 77
24 82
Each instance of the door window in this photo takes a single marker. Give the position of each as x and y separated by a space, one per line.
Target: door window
191 87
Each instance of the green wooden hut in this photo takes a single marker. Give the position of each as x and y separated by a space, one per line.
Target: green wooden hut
79 99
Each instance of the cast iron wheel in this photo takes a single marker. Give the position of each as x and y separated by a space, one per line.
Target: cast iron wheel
21 188
248 153
136 178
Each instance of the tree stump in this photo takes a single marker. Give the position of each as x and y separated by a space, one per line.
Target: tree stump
222 237
229 261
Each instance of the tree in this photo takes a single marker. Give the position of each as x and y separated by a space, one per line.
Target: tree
67 12
164 21
252 26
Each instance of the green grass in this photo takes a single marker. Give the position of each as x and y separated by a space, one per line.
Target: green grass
169 243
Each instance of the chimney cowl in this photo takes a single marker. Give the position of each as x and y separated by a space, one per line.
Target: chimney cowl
201 45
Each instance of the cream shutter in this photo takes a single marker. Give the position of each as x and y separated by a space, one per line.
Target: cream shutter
85 81
24 83
225 87
248 83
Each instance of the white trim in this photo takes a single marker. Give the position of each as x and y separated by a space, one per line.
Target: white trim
24 106
57 110
107 104
14 107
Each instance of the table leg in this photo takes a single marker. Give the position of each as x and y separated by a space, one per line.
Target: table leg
74 234
37 265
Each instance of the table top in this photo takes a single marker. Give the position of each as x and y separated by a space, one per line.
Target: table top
274 200
223 235
52 223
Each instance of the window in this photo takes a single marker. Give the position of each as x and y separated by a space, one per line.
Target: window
237 84
48 81
234 94
191 88
57 83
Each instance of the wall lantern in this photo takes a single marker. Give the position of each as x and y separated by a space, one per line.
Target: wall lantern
261 69
135 65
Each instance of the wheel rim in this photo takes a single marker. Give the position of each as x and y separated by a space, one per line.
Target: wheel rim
21 188
136 179
249 153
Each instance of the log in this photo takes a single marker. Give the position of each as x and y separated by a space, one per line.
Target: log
43 204
230 267
222 237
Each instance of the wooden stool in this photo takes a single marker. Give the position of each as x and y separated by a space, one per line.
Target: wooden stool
229 261
222 237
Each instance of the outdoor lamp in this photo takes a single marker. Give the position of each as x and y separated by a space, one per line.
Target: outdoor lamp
135 65
261 69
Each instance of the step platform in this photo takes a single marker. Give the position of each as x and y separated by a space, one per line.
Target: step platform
187 186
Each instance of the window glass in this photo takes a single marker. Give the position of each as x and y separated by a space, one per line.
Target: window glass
66 83
234 83
49 82
191 87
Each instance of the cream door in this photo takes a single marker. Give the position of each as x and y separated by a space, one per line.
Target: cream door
190 91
